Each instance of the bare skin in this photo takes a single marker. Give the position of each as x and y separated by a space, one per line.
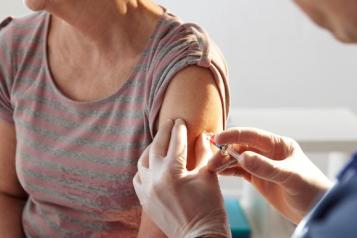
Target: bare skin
97 48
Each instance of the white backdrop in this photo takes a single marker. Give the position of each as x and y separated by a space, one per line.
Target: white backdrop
276 56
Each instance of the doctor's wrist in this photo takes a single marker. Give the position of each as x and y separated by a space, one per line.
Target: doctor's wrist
213 225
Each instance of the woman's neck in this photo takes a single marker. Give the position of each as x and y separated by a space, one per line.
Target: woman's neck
106 25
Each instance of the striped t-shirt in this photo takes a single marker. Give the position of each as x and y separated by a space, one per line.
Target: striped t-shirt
76 160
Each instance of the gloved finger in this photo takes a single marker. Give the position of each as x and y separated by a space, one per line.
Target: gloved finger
217 161
144 172
263 141
262 167
138 186
143 181
236 171
143 165
242 148
203 151
139 189
160 144
137 178
177 153
144 158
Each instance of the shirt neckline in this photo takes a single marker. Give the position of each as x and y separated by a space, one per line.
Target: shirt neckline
120 89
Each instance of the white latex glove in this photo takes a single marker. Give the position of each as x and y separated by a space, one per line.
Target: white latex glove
182 204
277 167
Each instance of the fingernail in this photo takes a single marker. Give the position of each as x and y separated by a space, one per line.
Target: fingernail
180 121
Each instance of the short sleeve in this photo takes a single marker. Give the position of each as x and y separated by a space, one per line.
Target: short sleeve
6 74
184 45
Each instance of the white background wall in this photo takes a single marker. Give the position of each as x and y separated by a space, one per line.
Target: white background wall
276 56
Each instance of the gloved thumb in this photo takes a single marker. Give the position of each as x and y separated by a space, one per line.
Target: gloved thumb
263 167
177 152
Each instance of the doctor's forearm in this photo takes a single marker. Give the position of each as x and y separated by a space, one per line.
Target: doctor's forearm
11 216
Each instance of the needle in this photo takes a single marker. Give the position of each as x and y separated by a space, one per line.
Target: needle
226 150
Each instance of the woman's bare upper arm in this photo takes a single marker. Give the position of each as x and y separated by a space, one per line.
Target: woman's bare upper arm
9 183
193 96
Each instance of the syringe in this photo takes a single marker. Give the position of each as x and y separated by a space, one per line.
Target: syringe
226 150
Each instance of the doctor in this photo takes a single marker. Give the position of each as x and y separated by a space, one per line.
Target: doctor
189 204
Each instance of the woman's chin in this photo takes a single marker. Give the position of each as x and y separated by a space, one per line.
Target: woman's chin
36 5
347 37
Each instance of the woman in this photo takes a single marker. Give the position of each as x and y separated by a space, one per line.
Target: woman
84 86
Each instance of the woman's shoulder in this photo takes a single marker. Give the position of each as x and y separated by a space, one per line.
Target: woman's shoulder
20 37
17 29
29 21
185 51
178 39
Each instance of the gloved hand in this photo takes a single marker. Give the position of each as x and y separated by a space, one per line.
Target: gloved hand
277 167
182 204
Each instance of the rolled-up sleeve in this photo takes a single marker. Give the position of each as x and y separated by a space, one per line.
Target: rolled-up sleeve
6 72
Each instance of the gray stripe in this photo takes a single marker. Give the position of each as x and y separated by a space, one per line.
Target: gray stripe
44 84
120 98
70 183
137 83
6 52
22 56
104 129
55 228
34 53
71 198
36 26
32 36
80 156
90 112
93 226
91 143
34 69
80 172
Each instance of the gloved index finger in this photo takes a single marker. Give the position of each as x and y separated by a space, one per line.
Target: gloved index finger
257 139
177 153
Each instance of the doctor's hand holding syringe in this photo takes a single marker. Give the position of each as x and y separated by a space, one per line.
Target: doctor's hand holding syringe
277 167
179 200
